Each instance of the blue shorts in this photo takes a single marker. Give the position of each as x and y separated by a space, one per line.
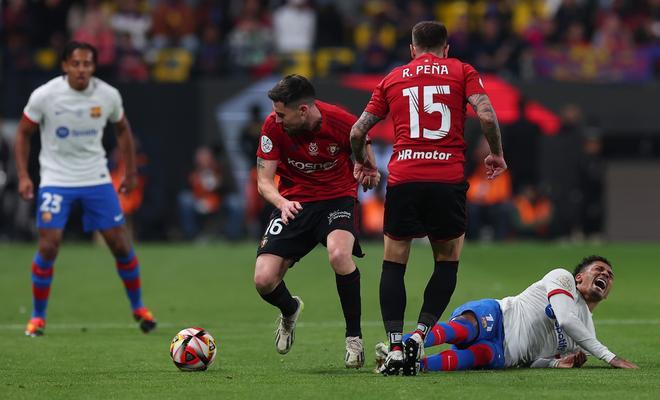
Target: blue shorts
491 328
100 206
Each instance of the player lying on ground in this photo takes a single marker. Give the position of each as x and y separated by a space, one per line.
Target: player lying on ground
548 325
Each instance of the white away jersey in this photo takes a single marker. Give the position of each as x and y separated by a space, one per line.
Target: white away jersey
531 330
72 124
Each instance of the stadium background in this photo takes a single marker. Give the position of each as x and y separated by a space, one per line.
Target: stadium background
195 73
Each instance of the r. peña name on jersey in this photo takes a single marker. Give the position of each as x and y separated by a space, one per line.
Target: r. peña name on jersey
428 69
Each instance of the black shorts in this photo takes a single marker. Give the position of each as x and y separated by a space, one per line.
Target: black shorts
311 226
419 209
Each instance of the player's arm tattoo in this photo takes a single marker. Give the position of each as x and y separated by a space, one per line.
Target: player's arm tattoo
359 134
260 163
489 125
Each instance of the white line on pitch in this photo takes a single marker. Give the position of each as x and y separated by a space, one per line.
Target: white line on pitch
302 324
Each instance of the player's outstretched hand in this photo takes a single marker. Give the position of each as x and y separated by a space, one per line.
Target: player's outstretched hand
574 360
26 188
495 165
622 363
129 183
289 210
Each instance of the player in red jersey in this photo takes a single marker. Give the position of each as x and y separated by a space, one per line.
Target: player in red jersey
426 187
306 142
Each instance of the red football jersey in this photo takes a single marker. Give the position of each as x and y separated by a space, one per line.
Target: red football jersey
427 99
313 165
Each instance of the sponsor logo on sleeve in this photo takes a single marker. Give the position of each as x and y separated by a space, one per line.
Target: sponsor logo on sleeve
562 341
550 312
266 144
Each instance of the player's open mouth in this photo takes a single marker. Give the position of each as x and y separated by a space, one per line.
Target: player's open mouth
600 283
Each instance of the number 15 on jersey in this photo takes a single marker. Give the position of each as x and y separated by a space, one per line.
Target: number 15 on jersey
430 107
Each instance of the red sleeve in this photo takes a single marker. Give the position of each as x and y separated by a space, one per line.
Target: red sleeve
473 82
559 291
268 148
378 105
25 117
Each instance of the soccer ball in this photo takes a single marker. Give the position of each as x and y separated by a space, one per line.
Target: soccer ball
193 349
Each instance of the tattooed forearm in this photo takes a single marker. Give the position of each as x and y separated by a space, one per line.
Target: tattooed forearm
489 125
359 135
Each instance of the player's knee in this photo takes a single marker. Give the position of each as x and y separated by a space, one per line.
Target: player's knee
48 248
264 282
340 258
469 317
119 244
265 277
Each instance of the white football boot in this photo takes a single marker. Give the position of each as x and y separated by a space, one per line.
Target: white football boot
393 363
286 326
382 350
354 352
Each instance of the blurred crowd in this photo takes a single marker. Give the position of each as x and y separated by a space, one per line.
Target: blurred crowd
178 40
555 185
538 198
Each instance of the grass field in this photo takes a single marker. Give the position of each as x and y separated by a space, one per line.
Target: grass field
93 350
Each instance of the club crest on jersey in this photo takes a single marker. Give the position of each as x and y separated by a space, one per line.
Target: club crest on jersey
333 149
95 112
313 149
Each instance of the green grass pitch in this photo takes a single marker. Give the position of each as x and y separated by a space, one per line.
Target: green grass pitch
92 349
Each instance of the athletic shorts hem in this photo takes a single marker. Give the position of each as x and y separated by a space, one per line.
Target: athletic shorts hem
294 259
103 227
402 238
357 249
434 238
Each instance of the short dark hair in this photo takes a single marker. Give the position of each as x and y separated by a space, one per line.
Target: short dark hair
292 89
429 35
588 261
72 46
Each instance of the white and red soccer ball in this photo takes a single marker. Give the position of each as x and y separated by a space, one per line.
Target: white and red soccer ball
193 349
